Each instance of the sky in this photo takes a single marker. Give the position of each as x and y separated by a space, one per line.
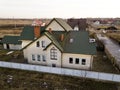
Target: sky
59 8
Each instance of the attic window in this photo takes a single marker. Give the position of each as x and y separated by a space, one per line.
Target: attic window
71 40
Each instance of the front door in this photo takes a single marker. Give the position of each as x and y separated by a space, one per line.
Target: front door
7 46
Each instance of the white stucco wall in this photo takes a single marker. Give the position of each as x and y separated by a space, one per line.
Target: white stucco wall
55 26
33 50
13 46
65 61
4 45
25 42
25 53
50 61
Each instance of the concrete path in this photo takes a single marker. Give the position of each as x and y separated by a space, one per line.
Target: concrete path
112 47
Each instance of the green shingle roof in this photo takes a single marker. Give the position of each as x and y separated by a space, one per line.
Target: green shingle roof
54 40
80 43
11 40
28 33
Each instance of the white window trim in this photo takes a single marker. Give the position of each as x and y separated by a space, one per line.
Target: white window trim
33 57
44 58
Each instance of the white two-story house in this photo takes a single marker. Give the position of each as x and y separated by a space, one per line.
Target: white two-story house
59 47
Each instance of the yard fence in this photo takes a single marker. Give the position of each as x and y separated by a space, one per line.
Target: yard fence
63 71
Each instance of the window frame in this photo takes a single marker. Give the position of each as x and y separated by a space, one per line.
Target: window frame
37 44
53 53
71 60
43 44
83 62
33 57
38 58
77 62
44 58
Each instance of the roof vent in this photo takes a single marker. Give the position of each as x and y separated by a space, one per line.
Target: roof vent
91 40
71 40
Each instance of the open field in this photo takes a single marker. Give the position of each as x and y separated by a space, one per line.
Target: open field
10 32
15 21
15 26
20 21
115 36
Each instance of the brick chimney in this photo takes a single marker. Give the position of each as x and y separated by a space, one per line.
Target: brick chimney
37 31
62 37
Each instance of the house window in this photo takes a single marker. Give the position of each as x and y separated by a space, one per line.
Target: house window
43 44
44 58
38 57
83 61
37 44
70 60
33 57
77 61
53 54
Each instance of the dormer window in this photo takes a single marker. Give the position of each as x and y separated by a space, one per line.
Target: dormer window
71 40
91 40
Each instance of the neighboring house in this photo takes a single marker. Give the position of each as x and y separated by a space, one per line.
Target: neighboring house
77 24
58 24
97 22
11 42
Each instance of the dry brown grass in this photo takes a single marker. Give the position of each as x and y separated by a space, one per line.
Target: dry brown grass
14 21
115 36
10 32
28 80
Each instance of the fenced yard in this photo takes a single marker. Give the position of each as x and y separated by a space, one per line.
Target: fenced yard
63 71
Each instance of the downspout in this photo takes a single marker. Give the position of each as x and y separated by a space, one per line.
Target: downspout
61 58
91 62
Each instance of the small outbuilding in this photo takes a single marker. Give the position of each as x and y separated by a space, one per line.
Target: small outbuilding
11 43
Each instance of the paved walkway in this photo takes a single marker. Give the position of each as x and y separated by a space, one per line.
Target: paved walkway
112 47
